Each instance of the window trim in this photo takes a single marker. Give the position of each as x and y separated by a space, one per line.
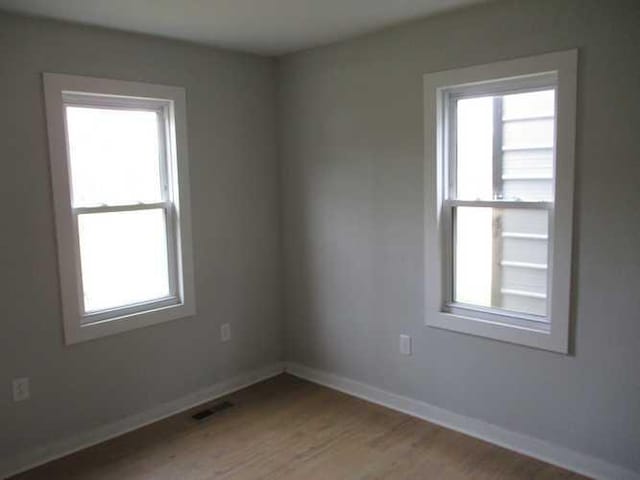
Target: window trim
530 73
61 90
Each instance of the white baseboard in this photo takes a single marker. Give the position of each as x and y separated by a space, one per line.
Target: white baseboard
533 447
86 439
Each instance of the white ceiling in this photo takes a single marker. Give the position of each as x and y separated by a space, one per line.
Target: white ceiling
260 26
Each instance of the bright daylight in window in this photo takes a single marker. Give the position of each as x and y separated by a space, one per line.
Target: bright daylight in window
120 183
499 162
504 146
115 162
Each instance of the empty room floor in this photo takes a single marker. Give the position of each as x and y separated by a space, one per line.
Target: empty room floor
288 428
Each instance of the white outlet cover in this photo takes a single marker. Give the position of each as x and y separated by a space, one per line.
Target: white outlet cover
20 389
405 344
225 332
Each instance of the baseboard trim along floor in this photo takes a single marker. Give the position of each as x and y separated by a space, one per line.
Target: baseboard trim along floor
55 450
524 444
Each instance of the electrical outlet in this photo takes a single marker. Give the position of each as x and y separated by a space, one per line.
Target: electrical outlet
20 389
405 344
225 332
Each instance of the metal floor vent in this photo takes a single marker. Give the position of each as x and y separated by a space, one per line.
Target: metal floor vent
202 414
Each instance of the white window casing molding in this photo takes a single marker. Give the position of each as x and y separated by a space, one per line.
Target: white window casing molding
169 102
559 70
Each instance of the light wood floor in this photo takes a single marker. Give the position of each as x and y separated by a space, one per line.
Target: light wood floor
287 428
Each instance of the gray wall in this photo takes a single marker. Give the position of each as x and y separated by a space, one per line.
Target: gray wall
234 188
352 151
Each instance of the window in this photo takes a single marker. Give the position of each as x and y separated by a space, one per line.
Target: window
120 184
499 151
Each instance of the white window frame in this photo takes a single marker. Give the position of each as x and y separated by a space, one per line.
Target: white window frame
170 103
560 69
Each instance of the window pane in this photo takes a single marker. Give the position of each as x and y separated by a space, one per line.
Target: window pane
123 258
520 134
522 126
530 104
528 138
114 156
474 148
528 164
501 258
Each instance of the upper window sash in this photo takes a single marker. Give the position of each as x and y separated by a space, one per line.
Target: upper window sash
161 108
496 88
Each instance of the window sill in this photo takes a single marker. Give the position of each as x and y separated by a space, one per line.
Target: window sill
541 337
76 332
